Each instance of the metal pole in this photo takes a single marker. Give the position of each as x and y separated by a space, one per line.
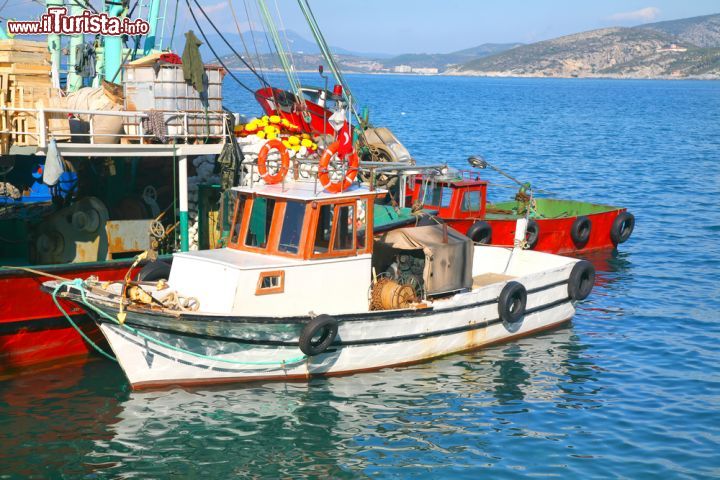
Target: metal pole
183 194
112 46
55 47
152 20
74 81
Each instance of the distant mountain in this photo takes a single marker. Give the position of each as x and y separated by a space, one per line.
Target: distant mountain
700 31
306 54
443 60
648 51
260 42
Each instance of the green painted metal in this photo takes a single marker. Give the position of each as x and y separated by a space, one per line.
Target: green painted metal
113 46
549 208
74 81
387 216
99 64
184 232
150 38
54 44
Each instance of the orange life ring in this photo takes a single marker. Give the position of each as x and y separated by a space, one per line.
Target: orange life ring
278 176
324 172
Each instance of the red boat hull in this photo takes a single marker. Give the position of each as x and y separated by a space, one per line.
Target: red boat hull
554 236
33 332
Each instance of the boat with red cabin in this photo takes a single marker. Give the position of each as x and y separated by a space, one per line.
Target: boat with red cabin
460 198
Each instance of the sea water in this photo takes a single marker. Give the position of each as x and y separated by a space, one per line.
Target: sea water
631 388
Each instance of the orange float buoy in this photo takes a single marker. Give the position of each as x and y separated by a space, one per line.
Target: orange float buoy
278 176
353 162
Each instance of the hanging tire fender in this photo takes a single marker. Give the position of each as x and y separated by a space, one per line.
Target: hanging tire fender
580 231
324 326
581 280
480 232
153 271
512 302
622 228
532 234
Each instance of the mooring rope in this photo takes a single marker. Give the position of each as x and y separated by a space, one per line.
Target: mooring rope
79 285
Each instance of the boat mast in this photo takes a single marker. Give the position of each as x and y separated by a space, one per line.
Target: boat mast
74 81
54 46
112 45
150 38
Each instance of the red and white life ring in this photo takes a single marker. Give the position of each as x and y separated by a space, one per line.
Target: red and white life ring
351 170
278 176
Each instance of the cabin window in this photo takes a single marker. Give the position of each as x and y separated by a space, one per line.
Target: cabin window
261 216
430 194
341 228
345 228
471 201
324 229
270 282
446 197
434 194
361 224
292 227
237 218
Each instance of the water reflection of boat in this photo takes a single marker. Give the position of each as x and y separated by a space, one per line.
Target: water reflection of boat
56 413
334 425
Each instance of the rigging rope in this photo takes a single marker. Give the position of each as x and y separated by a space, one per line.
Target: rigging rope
252 35
239 31
230 72
327 54
172 35
262 80
287 67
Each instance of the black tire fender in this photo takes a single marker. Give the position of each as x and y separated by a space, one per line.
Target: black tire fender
153 271
512 302
580 231
480 232
323 325
532 234
581 280
622 228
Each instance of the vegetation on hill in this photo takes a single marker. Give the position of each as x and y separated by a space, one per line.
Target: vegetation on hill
648 51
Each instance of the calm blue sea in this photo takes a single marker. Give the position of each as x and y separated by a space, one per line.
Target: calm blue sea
630 389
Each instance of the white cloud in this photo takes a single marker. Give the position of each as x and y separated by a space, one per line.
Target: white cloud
215 8
646 14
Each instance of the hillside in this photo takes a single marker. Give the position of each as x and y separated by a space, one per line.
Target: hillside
647 51
443 60
700 31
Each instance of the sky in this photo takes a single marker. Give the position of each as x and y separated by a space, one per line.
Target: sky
435 26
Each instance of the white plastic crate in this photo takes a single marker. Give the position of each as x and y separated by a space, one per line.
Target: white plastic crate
167 91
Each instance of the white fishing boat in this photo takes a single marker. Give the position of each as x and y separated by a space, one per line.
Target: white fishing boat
305 288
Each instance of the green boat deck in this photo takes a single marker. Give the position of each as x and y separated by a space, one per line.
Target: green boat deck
546 208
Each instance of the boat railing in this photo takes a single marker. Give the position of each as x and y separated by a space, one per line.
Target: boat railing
37 132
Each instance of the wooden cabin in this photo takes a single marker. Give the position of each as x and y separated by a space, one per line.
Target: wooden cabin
291 249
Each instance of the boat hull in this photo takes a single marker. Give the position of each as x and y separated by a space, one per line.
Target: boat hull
554 233
33 333
192 349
